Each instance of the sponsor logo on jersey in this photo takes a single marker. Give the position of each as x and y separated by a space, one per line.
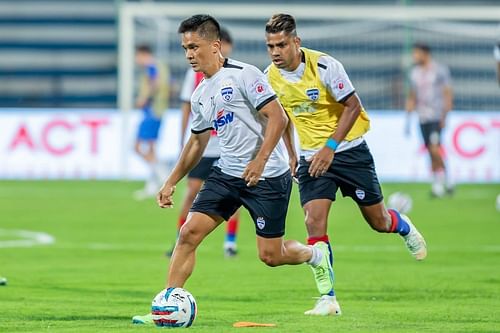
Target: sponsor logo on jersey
222 119
260 88
261 223
305 107
339 85
360 194
227 94
313 94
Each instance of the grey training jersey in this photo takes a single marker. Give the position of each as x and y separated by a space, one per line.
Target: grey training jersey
229 102
428 85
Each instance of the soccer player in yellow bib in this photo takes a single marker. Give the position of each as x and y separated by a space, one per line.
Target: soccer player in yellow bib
330 120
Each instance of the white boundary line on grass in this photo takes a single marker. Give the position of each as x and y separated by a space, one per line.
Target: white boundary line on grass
27 238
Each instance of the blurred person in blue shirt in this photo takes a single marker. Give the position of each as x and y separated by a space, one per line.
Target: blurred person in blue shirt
152 99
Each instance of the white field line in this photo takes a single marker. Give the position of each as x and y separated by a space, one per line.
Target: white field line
24 238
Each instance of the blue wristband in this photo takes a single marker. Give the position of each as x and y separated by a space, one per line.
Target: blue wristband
332 144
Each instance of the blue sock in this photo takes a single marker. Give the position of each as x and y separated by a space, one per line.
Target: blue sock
230 237
398 224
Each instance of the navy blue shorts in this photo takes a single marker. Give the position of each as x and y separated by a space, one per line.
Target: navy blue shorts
203 168
267 202
149 128
352 170
431 133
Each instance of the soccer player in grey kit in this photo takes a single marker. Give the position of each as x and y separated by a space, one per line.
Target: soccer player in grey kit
431 97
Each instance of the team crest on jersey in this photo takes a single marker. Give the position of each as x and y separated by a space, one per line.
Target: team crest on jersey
360 194
313 94
227 94
261 223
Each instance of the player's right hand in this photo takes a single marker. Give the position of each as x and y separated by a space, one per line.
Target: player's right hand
164 196
253 171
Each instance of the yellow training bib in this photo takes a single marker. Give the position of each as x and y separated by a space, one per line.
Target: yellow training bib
313 111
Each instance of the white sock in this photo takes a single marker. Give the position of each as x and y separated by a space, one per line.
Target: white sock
440 177
316 257
229 245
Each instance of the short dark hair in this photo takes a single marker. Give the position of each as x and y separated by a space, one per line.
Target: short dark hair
204 25
144 49
422 46
281 22
225 36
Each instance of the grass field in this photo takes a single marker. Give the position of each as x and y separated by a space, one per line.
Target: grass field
108 262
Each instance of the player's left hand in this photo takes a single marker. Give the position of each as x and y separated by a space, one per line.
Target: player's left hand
321 161
253 171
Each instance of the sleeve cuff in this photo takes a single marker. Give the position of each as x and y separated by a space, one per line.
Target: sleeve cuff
201 131
265 102
346 97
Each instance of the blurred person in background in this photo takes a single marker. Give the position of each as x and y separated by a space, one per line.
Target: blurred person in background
152 99
431 97
321 102
201 171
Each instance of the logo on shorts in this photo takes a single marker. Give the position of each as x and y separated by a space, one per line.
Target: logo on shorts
261 223
313 94
360 194
227 93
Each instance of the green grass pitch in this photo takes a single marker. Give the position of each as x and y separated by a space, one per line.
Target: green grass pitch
108 262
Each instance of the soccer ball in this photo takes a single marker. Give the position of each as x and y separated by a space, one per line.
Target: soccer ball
174 307
401 202
498 203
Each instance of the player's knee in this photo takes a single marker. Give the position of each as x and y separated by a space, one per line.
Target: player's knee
187 236
269 258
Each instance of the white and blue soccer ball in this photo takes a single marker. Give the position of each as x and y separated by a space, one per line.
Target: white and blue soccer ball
174 307
401 202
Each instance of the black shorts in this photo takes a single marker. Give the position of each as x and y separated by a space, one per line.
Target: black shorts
352 170
431 132
267 202
203 168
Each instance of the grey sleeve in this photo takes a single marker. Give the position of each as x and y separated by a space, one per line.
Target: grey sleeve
198 123
256 88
